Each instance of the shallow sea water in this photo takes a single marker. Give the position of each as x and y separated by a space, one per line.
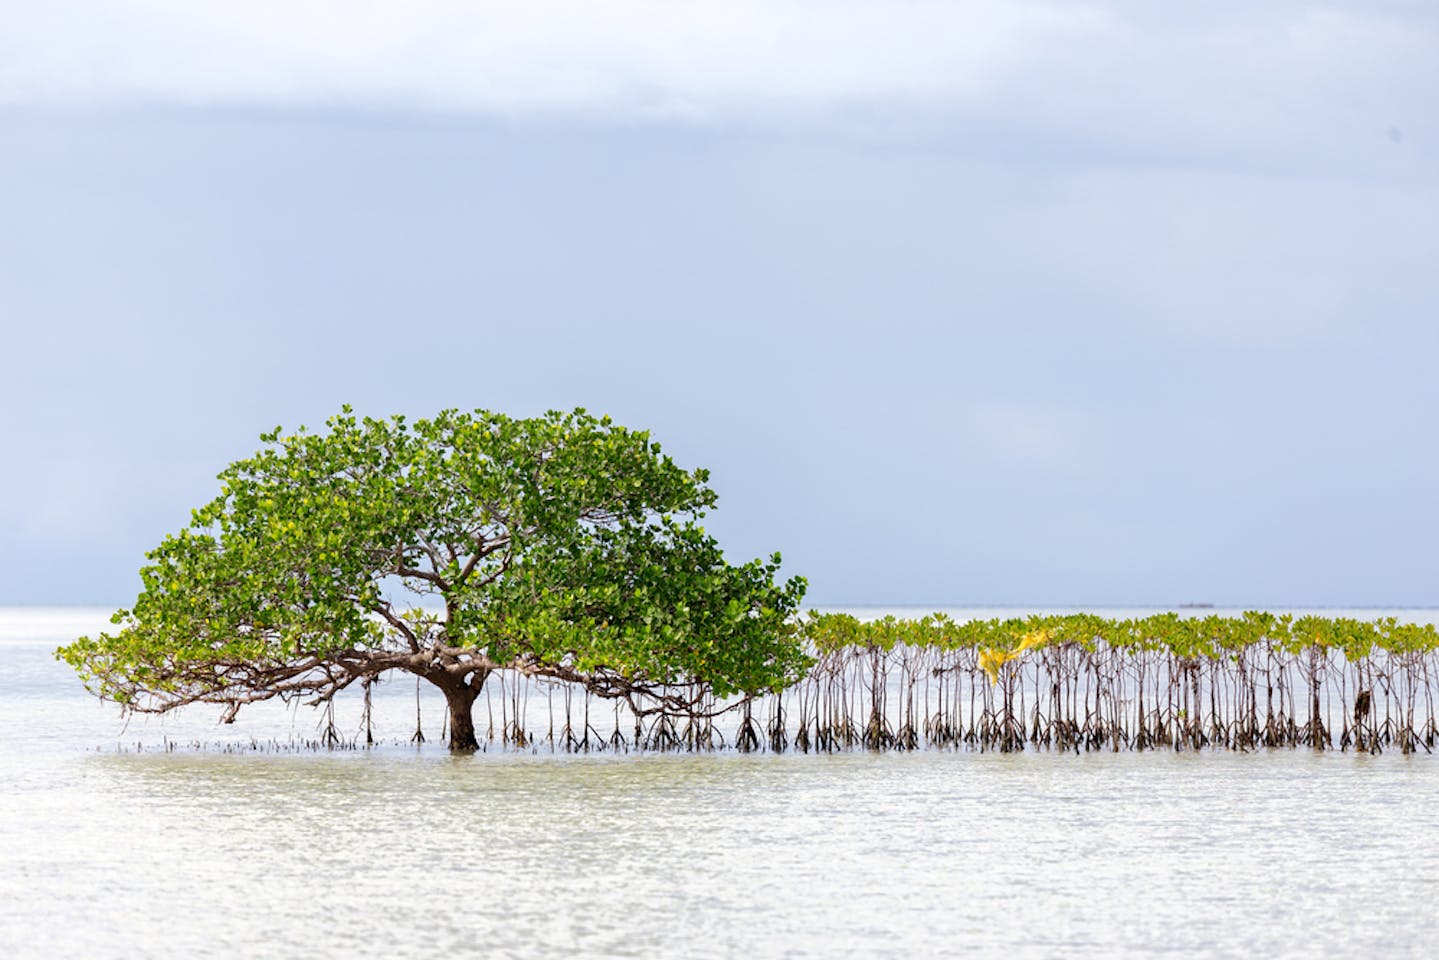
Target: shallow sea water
109 850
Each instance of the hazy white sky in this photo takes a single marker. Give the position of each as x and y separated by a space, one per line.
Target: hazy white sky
961 302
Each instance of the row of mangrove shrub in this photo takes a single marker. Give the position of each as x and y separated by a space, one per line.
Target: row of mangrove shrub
1081 681
1066 683
1209 636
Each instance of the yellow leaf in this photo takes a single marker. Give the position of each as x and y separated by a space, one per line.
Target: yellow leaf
1032 639
990 661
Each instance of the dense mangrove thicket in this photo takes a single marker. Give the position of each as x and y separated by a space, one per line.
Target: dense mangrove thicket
1070 683
1082 682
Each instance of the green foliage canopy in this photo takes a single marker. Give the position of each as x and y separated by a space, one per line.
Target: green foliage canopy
1211 637
562 545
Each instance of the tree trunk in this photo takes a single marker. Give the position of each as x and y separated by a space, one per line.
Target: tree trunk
461 699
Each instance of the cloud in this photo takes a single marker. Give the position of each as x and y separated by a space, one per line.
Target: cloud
1133 70
647 56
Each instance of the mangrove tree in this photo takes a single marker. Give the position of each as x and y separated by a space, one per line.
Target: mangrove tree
563 547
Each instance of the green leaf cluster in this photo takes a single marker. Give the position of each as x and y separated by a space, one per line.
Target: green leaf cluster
1212 637
563 541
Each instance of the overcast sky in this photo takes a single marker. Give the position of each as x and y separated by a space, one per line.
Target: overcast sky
960 302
